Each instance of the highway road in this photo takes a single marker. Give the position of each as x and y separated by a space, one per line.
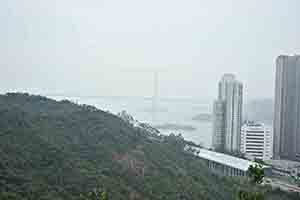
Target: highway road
275 183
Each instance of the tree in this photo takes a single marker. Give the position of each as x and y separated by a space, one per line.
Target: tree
244 195
96 194
256 173
104 196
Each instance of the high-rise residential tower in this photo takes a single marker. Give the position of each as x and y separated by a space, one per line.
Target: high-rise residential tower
227 114
287 108
218 125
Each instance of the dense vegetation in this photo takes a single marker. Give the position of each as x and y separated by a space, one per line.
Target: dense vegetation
60 150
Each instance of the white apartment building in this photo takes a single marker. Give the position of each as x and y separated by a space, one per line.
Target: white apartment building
257 141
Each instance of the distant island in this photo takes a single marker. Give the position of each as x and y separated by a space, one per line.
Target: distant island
203 117
170 126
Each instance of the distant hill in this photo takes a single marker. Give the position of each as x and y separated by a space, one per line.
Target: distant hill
204 117
178 127
260 110
59 150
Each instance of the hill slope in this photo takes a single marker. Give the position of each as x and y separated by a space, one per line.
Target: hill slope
58 150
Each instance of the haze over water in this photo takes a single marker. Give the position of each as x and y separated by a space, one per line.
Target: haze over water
112 48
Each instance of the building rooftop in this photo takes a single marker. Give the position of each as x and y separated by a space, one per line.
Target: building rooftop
253 124
290 55
225 159
228 77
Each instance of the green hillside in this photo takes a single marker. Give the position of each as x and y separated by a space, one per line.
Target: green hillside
59 150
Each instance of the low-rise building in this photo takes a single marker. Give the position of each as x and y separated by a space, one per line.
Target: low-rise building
224 164
257 141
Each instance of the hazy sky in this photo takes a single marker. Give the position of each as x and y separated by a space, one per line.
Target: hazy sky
112 47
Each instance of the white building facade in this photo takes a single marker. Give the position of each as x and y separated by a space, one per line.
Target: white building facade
257 141
228 114
225 165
